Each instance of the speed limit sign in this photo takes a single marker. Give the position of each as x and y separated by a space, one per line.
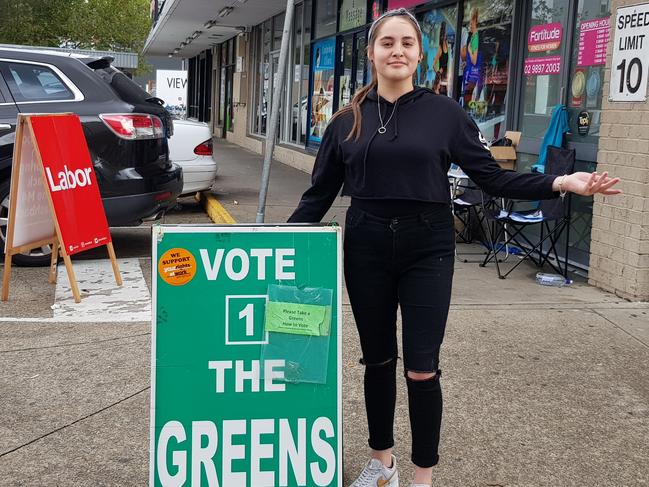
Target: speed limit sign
630 63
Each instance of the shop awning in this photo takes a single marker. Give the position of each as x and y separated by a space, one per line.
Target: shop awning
199 24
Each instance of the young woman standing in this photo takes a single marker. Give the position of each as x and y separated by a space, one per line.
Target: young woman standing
390 150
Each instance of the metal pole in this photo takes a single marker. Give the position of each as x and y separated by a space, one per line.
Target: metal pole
271 130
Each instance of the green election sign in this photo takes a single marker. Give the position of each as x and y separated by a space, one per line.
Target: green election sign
246 364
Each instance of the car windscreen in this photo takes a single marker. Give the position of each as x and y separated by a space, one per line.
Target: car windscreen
125 87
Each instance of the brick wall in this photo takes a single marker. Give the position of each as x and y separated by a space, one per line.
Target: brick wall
619 260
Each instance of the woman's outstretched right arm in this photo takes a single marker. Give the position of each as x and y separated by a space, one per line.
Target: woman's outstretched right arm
326 180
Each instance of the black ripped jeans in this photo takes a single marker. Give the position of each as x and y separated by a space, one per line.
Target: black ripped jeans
407 262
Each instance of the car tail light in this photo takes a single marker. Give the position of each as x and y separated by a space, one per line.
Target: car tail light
133 126
162 196
204 148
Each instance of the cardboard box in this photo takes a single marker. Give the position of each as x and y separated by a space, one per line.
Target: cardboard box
506 155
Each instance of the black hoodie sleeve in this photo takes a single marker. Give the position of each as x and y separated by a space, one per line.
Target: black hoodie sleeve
326 180
470 151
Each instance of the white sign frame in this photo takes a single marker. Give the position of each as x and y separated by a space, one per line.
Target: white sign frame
630 59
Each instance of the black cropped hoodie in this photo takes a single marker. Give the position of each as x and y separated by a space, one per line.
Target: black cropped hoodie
410 161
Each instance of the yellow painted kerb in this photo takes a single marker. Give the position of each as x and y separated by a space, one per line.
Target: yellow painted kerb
215 210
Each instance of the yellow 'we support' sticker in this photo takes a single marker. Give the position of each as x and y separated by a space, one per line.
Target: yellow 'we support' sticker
177 266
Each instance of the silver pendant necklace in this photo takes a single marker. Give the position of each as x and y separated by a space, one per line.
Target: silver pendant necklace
382 125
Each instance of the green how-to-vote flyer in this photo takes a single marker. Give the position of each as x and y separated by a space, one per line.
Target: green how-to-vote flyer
300 311
298 318
246 384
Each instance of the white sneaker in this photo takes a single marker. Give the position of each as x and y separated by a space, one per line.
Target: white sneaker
375 474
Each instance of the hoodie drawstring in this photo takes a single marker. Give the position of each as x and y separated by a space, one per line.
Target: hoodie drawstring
367 149
396 122
369 143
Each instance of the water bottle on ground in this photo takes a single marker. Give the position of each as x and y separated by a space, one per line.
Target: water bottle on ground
556 280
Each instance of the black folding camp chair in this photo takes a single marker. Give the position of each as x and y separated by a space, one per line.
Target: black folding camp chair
551 216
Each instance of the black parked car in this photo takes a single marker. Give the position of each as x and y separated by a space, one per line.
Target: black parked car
125 128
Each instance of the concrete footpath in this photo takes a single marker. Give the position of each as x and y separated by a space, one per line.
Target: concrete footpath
542 386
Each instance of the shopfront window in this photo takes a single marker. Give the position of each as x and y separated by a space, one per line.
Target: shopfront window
485 44
587 61
255 53
222 82
564 64
353 62
295 77
304 80
345 81
266 44
261 85
325 18
542 65
438 44
226 58
294 115
199 87
361 62
278 30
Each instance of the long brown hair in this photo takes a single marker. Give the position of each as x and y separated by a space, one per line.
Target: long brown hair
359 97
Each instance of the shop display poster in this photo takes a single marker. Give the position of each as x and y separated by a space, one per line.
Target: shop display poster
322 96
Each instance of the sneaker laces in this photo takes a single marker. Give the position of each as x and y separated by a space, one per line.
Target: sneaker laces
372 467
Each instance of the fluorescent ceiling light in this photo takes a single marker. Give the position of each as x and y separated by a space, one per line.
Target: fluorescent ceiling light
225 11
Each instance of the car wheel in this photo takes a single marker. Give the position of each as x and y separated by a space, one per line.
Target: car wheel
36 257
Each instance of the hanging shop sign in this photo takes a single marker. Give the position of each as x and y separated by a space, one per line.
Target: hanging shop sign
246 356
583 123
546 37
542 65
54 199
353 13
593 39
630 65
